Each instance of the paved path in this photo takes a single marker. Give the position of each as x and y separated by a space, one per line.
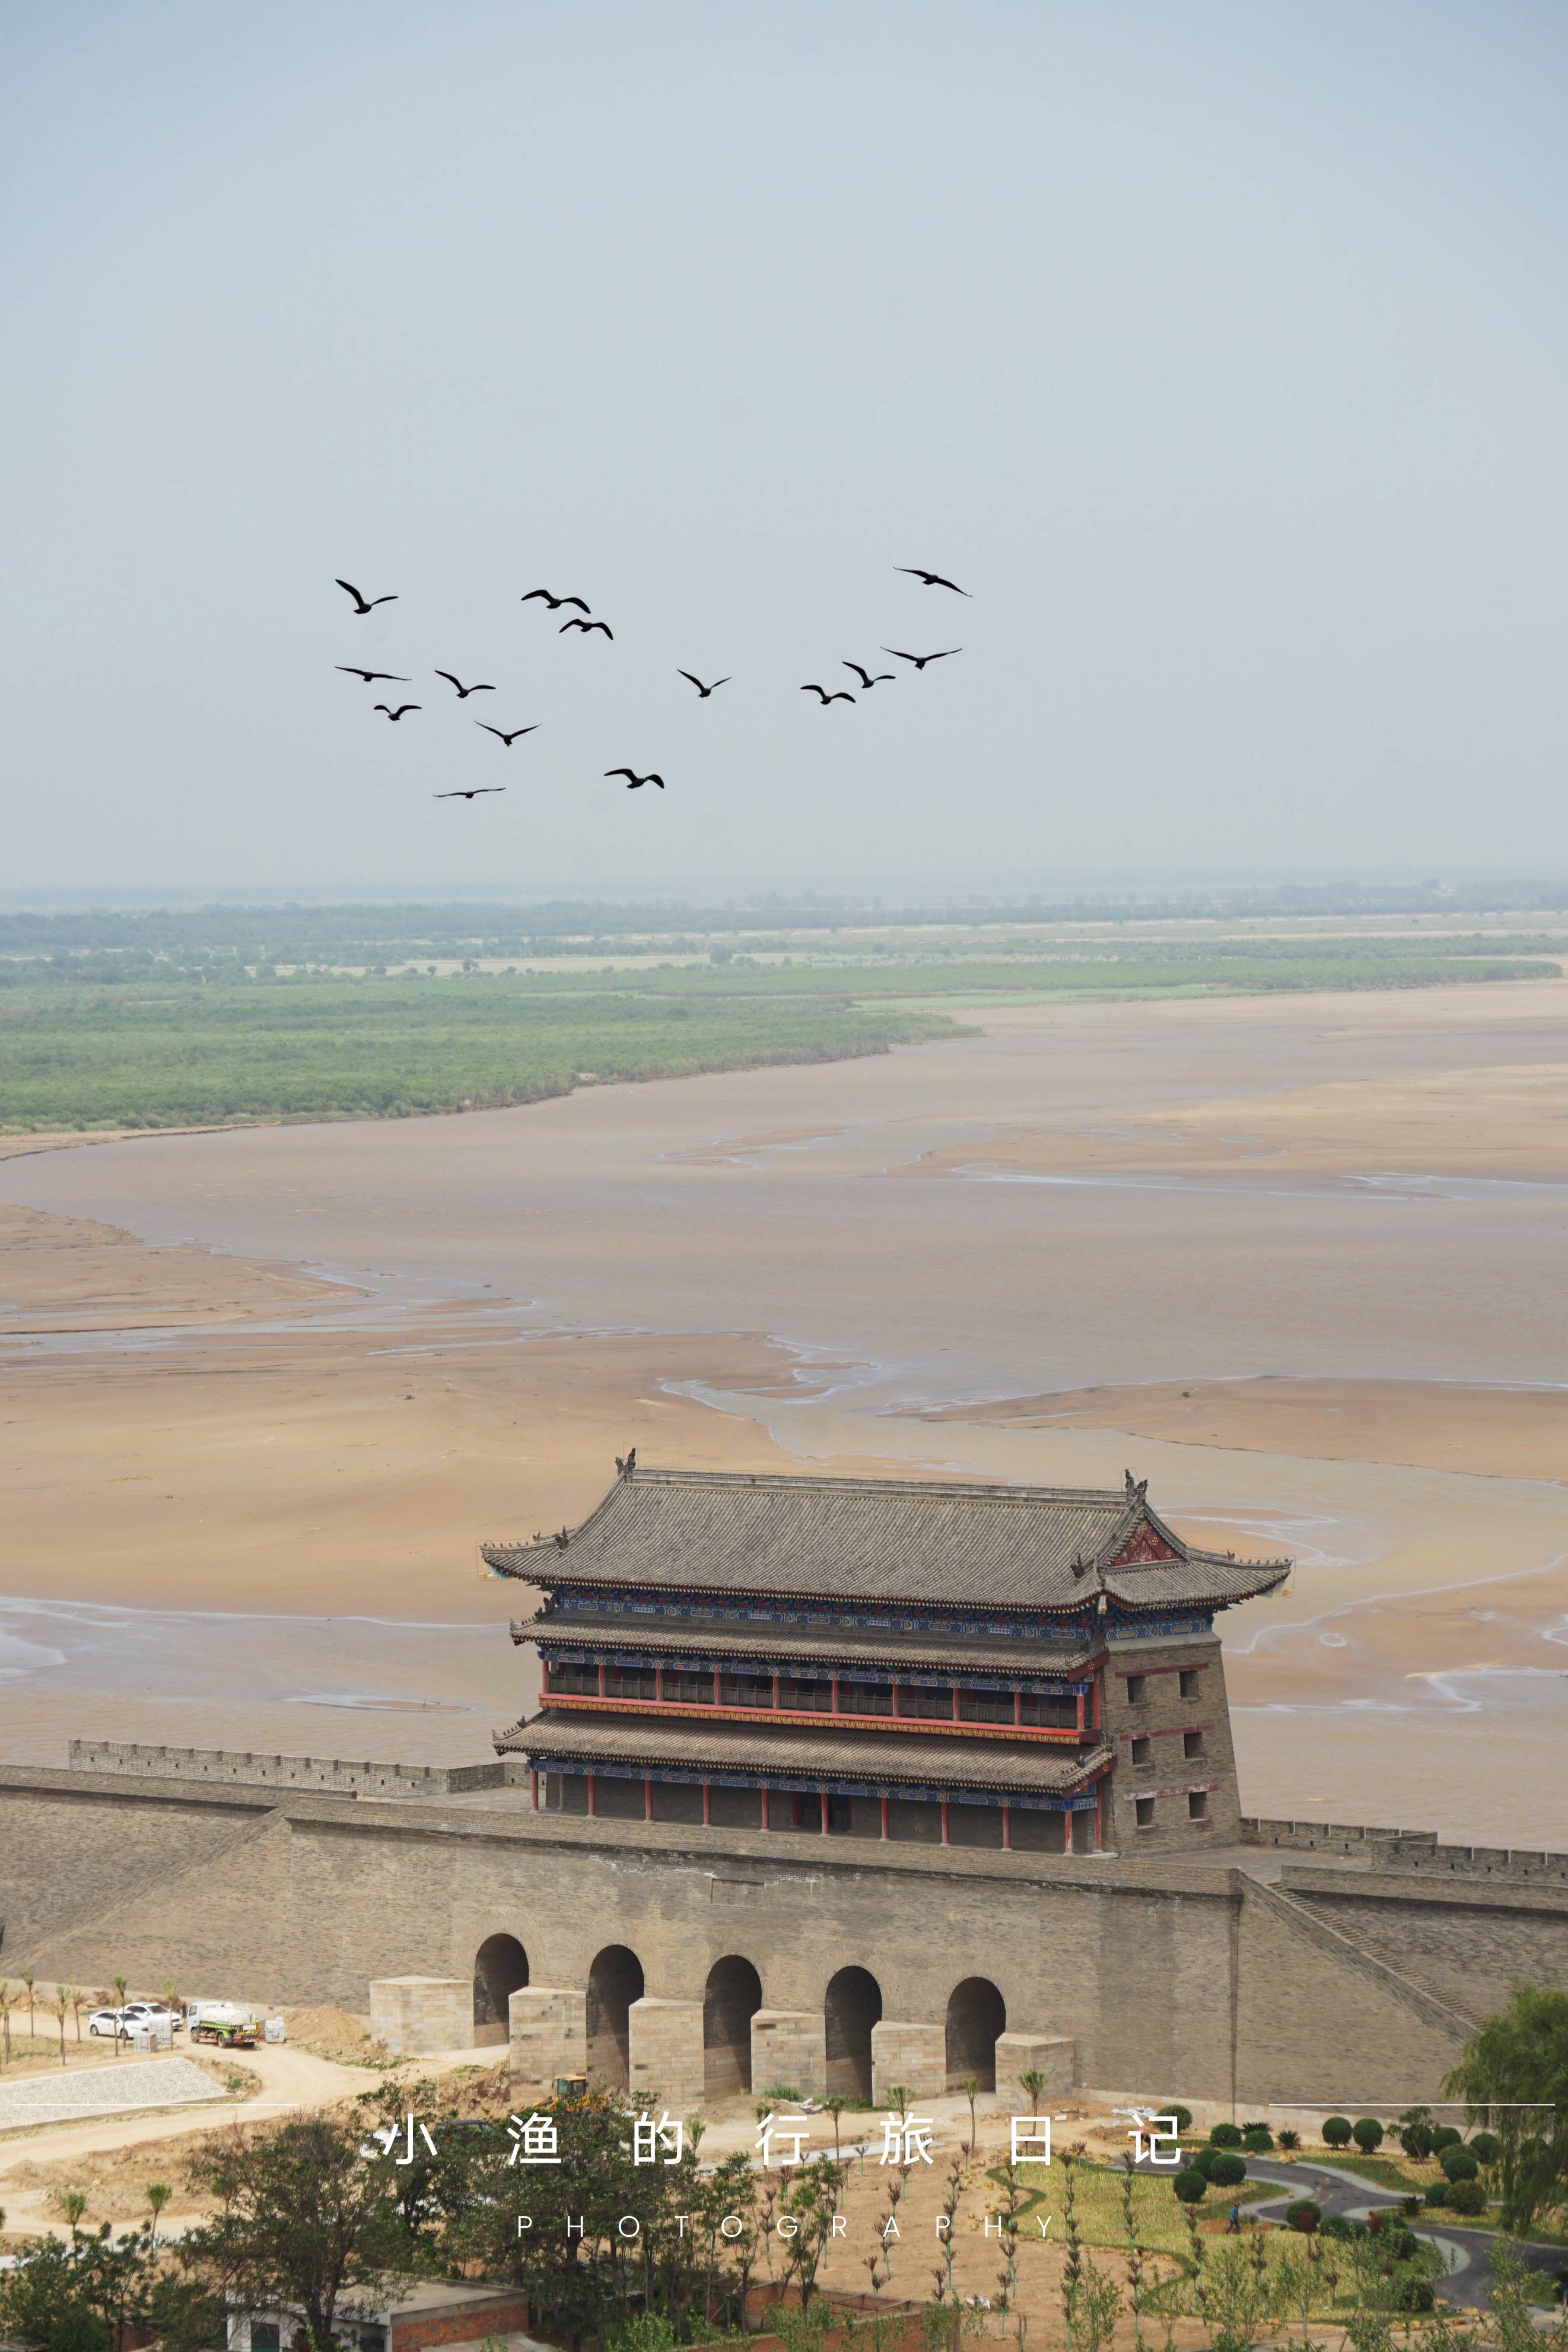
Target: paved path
123 2088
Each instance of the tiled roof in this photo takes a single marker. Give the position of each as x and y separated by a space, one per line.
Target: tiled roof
932 1762
814 1646
935 1544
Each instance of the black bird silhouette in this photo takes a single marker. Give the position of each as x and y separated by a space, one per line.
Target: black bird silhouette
932 579
472 793
703 691
920 660
507 739
865 676
401 708
555 603
371 677
826 697
464 691
635 782
364 604
587 627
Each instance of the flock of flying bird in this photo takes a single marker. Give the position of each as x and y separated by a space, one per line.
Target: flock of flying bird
582 620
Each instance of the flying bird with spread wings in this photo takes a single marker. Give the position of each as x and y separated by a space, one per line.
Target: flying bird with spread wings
882 678
635 782
555 603
826 697
587 627
932 579
397 714
471 793
371 677
703 691
920 660
464 691
507 739
364 604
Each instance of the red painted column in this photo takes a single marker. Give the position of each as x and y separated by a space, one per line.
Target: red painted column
824 1795
1081 1715
659 1683
648 1797
1007 1826
884 1827
716 1697
536 1792
835 1694
592 1796
766 1823
944 1838
602 1678
1017 1706
775 1690
707 1806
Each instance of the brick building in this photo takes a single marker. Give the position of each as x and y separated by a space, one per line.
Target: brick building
1025 1668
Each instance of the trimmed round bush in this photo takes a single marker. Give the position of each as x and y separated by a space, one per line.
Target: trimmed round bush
1412 2291
1367 2134
1445 2136
1303 2215
1459 2163
1173 2107
1439 2193
1225 2136
1336 2131
1190 2186
1467 2197
1256 2139
1415 2140
1227 2169
1203 2159
1486 2148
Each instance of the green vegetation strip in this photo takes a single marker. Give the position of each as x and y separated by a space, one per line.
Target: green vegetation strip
191 1056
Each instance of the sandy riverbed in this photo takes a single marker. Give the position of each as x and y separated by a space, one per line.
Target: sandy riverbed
300 1373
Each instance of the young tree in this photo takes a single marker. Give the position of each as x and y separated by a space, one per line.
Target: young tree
76 1997
118 1983
8 2000
59 2009
157 2195
1514 2077
28 1981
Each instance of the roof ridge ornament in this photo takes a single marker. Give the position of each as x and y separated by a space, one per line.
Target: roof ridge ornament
561 1540
1136 1487
626 1464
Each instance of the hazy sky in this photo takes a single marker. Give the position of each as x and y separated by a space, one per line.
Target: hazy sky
1219 349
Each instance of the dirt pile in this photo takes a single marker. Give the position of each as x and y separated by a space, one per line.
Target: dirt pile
336 2033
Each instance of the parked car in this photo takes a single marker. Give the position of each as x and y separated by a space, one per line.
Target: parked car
110 2021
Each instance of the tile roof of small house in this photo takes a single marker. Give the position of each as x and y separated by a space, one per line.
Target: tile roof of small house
927 1761
813 1647
933 1544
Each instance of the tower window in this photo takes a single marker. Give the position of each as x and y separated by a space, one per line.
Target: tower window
1136 1686
1191 1682
1142 1750
1198 1805
1192 1743
1144 1809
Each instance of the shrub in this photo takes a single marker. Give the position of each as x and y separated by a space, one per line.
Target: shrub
1439 2193
1486 2148
1204 2159
1445 2136
1256 2123
1290 2139
1412 2291
1173 2107
1367 2134
1256 2139
1303 2215
1227 2170
1410 2207
1459 2163
1336 2132
1190 2186
1415 2140
1225 2136
1335 2225
1467 2197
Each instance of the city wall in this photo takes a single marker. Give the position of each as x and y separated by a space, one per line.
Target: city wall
1343 1984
